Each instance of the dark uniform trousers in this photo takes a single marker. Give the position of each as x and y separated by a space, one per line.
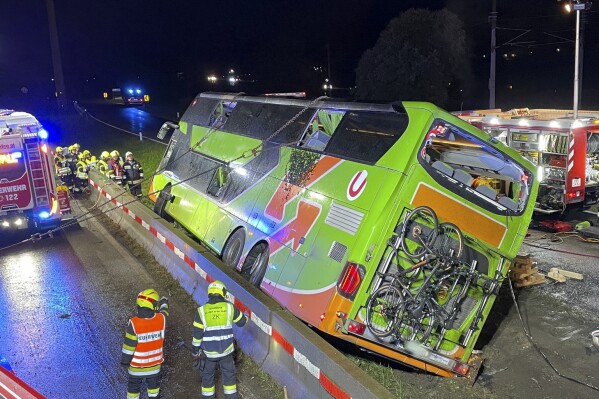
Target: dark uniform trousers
152 382
227 369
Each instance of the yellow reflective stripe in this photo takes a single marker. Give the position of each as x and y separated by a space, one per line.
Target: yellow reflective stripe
229 389
198 325
131 395
196 342
208 391
131 337
144 371
214 355
129 350
238 318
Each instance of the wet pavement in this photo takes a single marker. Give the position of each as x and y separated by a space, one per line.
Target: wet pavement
64 306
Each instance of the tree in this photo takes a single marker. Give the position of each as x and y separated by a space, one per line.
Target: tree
421 55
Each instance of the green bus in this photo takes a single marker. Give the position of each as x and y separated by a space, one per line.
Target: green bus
391 226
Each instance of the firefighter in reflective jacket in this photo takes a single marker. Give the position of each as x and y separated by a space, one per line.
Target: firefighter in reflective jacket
144 340
81 178
133 174
102 165
213 338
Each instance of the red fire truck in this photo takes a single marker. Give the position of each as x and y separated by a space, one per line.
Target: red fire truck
29 197
565 150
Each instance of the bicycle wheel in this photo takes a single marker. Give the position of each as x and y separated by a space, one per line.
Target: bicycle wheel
419 231
417 321
381 309
449 241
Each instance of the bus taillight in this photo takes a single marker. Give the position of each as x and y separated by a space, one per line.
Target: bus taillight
355 327
350 280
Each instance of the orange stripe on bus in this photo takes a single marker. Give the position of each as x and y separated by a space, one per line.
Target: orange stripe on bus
287 192
297 228
467 219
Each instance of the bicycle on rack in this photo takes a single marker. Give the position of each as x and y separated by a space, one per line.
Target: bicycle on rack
413 302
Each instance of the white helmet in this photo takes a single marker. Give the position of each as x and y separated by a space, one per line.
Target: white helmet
128 153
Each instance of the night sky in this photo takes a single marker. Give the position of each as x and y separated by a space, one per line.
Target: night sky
170 47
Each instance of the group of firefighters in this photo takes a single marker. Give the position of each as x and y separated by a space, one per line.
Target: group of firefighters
212 342
73 165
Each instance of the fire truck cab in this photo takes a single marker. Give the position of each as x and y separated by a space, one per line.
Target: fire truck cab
29 198
565 150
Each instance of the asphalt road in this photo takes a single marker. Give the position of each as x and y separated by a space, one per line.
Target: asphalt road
64 306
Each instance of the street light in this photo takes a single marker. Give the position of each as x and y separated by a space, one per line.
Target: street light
577 5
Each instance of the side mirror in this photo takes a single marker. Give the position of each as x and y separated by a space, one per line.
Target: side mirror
166 128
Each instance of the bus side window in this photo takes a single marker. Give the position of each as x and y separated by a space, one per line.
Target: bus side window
321 129
219 182
221 113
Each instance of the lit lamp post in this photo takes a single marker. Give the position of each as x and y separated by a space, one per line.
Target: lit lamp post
577 5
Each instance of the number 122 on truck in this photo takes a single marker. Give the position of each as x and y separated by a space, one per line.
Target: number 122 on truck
391 226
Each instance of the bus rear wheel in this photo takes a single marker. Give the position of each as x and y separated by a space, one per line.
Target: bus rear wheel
255 264
233 248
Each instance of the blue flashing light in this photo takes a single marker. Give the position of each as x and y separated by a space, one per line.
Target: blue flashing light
44 215
130 91
42 134
138 91
16 155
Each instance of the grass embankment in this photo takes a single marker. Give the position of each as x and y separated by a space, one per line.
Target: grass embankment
68 128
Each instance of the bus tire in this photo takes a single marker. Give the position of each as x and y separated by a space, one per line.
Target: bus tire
255 264
161 201
234 248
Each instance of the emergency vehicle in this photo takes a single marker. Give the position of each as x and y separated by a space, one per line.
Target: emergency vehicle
565 151
29 197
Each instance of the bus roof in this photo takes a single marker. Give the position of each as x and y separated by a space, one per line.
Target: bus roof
354 106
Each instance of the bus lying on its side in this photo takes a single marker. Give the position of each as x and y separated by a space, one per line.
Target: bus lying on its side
389 226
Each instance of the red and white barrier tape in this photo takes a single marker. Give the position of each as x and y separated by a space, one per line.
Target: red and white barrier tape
332 388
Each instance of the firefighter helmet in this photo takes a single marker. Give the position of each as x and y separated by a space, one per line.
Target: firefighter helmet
128 153
59 150
114 153
105 155
76 146
87 152
217 288
148 298
81 157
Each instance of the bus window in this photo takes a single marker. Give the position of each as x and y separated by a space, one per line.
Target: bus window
321 128
219 182
199 111
221 113
486 177
366 136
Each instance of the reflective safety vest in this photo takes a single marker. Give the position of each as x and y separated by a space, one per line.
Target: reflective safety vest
218 328
82 170
103 168
150 339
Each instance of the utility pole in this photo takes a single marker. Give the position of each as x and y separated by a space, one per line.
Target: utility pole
576 65
583 22
60 92
493 20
